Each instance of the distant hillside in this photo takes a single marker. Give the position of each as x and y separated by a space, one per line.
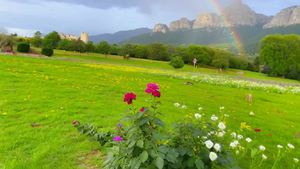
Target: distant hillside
249 35
119 36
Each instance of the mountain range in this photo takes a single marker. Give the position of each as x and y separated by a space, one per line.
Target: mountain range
216 29
120 36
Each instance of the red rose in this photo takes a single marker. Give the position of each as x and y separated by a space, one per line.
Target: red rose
257 130
142 109
129 97
153 88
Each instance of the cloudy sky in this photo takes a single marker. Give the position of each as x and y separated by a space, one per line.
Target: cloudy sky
107 16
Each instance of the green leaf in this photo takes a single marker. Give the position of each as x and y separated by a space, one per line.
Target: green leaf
199 164
144 156
253 152
159 163
140 143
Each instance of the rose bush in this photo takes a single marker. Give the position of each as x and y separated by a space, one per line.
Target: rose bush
197 142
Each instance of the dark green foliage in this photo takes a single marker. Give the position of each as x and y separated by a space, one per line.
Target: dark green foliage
23 47
221 63
201 53
91 131
72 45
103 47
281 53
51 40
37 40
158 51
90 47
47 52
177 62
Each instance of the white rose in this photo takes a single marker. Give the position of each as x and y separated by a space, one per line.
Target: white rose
213 156
209 144
217 147
222 126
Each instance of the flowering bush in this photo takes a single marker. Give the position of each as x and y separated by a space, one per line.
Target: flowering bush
198 142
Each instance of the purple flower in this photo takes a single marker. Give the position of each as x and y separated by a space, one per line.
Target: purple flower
120 125
118 139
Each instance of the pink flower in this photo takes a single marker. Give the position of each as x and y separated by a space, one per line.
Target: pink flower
152 88
118 139
129 97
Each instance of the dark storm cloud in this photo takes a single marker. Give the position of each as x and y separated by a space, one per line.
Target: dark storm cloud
145 6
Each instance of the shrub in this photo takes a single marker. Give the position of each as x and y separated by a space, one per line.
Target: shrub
177 62
23 47
47 52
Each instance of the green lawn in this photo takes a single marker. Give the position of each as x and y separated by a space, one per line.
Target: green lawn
40 97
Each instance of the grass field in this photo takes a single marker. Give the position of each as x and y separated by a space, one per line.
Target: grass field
40 97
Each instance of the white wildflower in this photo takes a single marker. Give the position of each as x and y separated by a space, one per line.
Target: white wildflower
222 126
233 134
209 144
262 148
264 157
252 113
183 107
249 140
198 116
222 108
240 137
177 105
221 134
213 156
217 147
234 144
296 160
214 118
279 146
291 146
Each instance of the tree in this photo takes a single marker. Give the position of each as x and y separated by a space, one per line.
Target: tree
281 53
51 40
90 47
6 43
37 40
158 51
103 47
202 54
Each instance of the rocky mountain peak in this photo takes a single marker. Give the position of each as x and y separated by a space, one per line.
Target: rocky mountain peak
183 23
163 28
207 20
286 17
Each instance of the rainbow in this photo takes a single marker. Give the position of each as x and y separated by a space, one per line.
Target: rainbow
234 33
